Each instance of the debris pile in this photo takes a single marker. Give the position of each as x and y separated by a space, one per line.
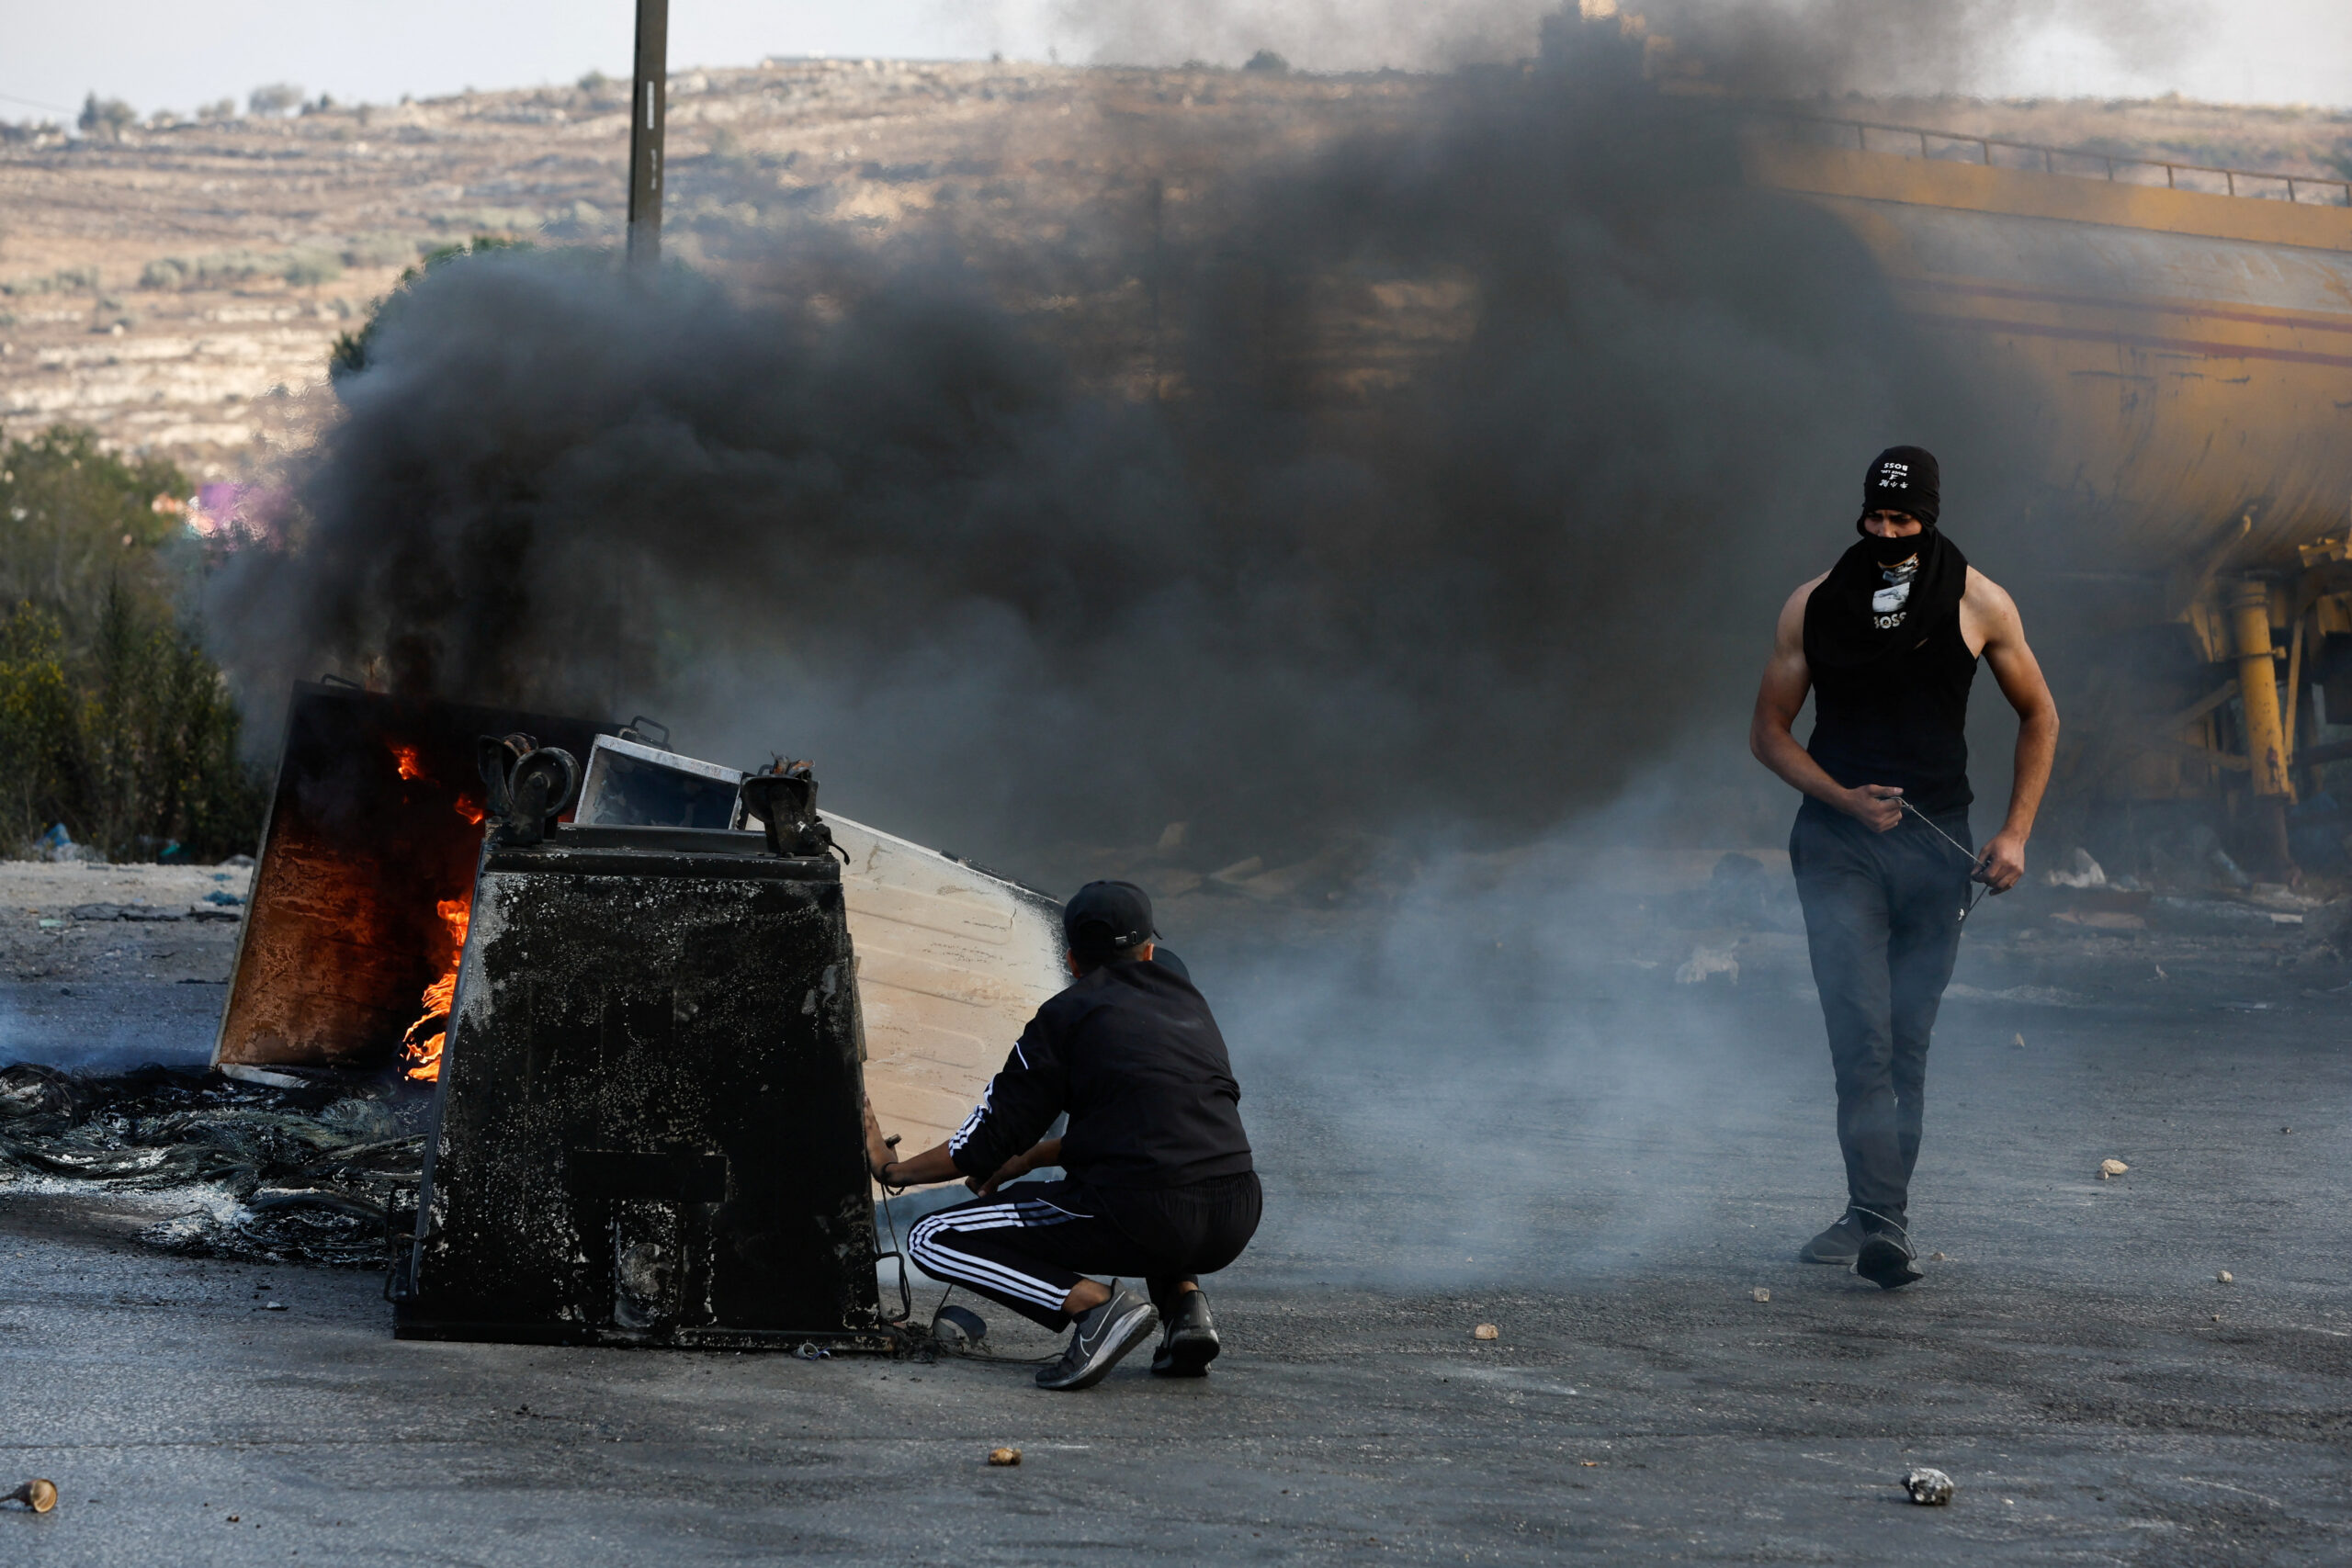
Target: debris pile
308 1175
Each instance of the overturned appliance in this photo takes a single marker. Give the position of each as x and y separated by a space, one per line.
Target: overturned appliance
648 1131
348 953
648 1128
366 867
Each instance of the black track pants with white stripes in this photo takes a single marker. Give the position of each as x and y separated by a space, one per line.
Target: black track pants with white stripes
1027 1246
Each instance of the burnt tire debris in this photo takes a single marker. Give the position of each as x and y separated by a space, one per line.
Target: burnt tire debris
315 1175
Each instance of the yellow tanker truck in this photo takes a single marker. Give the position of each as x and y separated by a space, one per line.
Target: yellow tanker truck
2189 351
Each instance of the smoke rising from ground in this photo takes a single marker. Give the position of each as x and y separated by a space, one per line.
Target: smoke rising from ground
863 512
1772 48
1440 484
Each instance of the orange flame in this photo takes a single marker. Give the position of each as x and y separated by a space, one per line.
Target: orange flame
470 809
422 1046
405 756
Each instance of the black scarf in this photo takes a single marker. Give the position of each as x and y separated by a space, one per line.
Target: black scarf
1841 630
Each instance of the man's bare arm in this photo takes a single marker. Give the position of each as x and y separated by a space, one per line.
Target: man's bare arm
1993 613
1778 701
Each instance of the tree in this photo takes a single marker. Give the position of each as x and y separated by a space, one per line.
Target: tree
106 117
276 99
112 720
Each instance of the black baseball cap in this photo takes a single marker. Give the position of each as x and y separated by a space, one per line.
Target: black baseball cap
1105 917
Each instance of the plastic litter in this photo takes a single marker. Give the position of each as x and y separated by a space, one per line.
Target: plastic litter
959 1329
40 1496
1929 1488
1760 1293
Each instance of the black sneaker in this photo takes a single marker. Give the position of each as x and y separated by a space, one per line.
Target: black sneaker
1101 1338
1190 1343
1840 1244
1885 1261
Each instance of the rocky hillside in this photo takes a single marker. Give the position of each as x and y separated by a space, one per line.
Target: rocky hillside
179 289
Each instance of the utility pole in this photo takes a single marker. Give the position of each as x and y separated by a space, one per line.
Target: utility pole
649 107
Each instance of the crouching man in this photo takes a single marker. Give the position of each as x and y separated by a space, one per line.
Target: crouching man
1157 1182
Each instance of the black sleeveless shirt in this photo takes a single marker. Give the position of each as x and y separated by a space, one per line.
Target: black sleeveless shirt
1900 719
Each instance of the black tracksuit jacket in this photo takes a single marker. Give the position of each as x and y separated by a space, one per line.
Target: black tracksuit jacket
1133 1054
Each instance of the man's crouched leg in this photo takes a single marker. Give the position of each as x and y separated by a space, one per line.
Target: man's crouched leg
1025 1248
1018 1248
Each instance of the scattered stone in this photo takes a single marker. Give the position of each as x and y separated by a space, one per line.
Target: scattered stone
1485 1331
1929 1488
38 1495
1760 1293
2225 1278
1938 1257
274 1306
2111 1168
2217 1317
1004 1456
1705 963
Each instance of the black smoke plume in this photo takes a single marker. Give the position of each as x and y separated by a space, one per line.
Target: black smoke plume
1322 571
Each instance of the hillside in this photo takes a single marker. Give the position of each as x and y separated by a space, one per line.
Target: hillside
179 289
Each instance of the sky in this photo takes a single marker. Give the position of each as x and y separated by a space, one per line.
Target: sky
169 54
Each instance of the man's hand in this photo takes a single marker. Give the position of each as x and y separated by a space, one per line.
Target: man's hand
1012 1169
1875 806
2002 863
880 1150
1048 1152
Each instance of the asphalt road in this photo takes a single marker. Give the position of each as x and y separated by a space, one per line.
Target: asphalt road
1604 1165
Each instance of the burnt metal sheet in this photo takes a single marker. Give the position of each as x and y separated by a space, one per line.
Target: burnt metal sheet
375 821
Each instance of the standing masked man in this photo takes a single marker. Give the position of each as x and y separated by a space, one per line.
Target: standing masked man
1887 641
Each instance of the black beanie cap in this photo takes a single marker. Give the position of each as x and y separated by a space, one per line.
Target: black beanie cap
1903 479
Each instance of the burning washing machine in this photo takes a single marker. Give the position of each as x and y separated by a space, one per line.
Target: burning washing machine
649 1130
649 1123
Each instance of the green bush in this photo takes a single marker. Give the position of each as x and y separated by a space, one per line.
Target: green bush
385 248
112 720
309 266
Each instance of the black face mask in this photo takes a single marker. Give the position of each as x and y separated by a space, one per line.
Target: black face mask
1894 552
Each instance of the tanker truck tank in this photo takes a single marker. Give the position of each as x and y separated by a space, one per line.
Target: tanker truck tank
2187 353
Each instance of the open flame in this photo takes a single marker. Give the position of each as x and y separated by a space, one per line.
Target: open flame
405 758
422 1045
